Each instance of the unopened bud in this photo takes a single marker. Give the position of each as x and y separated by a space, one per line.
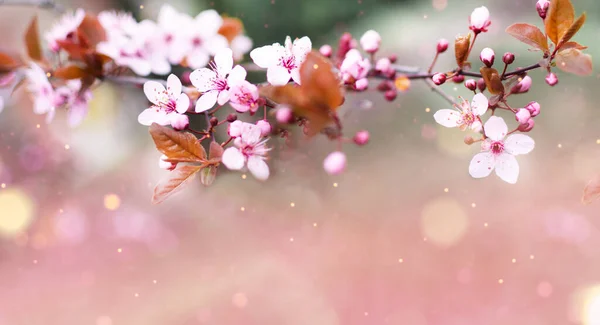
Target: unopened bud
459 78
180 122
335 163
508 58
385 85
439 78
284 115
383 65
481 84
471 84
469 140
534 108
522 116
551 79
361 84
442 45
326 50
344 45
265 127
214 121
231 117
393 58
370 41
390 95
528 126
361 137
487 56
542 8
523 85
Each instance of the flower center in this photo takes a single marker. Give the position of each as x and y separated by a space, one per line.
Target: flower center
468 118
247 151
197 42
246 99
288 63
497 147
168 38
220 84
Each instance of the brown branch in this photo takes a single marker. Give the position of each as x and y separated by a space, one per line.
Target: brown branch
42 4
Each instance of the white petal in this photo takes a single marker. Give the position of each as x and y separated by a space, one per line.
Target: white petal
216 43
258 167
495 128
224 61
481 165
154 91
507 168
160 65
236 75
182 104
447 117
202 79
206 101
167 16
519 144
77 113
296 75
173 86
140 67
148 116
210 21
301 48
223 97
479 105
278 76
233 159
251 134
264 57
288 43
198 59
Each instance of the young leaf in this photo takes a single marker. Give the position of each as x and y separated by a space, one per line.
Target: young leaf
7 63
69 72
177 146
215 152
528 34
574 61
461 49
90 31
492 80
179 177
32 41
573 29
560 17
572 45
591 192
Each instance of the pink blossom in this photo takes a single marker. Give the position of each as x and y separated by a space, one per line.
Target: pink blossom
354 67
551 79
64 29
439 78
166 103
265 127
335 163
480 20
522 116
117 24
169 40
471 84
77 102
180 122
487 56
442 45
498 153
361 137
361 84
508 58
534 108
244 97
249 150
527 126
464 116
235 128
542 8
215 83
282 62
384 65
240 45
284 114
370 41
326 50
44 98
523 86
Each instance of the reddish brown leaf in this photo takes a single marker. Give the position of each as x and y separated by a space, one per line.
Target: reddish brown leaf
573 45
177 146
529 34
573 29
492 80
574 61
559 18
75 51
461 49
591 192
7 63
178 178
32 41
90 31
231 28
70 72
215 152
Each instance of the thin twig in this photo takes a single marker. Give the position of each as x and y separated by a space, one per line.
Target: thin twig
132 80
42 4
440 92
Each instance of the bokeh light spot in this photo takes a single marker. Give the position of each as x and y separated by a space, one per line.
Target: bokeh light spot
112 202
16 212
444 221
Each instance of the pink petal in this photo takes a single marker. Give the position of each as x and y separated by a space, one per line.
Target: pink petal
149 116
206 101
182 104
278 76
481 165
198 59
202 79
140 67
77 113
264 57
495 128
237 74
479 105
301 48
233 159
296 75
251 134
258 167
507 168
223 97
154 91
224 61
159 65
447 117
173 86
519 144
210 20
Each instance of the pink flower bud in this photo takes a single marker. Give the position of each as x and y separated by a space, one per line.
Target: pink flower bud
370 41
439 78
469 140
442 45
383 65
393 58
471 84
361 84
534 108
481 84
235 128
361 137
265 127
487 56
479 20
180 122
508 58
335 163
390 95
326 50
522 116
542 8
523 85
528 126
284 115
344 45
165 164
214 121
551 79
385 85
231 117
459 78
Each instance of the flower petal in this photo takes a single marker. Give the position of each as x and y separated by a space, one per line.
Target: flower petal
154 91
224 61
448 118
223 97
519 144
197 59
296 75
173 86
206 101
301 48
77 113
507 168
182 104
233 159
264 57
481 165
148 116
258 167
202 79
237 74
278 76
479 105
495 128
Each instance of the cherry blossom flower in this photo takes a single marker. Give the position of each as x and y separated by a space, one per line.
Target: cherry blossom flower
215 83
200 40
240 45
498 153
244 97
465 116
169 39
282 62
64 29
117 24
354 67
74 100
480 20
370 41
249 150
44 98
167 103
